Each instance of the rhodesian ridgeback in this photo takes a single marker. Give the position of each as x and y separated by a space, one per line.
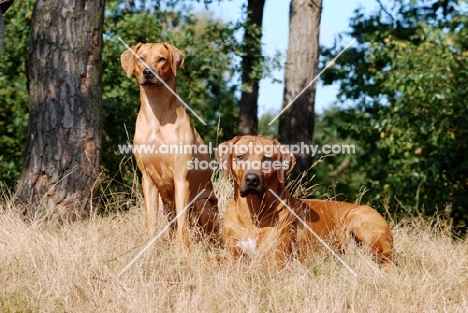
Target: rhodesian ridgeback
162 122
258 223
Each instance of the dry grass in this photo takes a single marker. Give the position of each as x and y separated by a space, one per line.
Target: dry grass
74 268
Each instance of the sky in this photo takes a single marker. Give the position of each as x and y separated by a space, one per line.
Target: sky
334 21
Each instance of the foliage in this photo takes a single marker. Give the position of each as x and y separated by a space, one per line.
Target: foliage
209 81
408 79
204 82
13 91
333 178
268 130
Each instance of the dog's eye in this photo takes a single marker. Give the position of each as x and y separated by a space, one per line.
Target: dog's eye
267 159
141 59
162 59
240 158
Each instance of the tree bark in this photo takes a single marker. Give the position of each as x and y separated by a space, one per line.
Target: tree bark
59 178
296 124
248 119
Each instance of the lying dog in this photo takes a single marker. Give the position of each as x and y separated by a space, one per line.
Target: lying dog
257 223
162 122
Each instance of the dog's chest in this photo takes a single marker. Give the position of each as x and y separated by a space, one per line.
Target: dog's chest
248 246
155 138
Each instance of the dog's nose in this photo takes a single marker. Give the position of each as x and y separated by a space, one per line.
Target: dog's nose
148 73
252 180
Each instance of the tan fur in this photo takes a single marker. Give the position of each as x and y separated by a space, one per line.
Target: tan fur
162 120
255 214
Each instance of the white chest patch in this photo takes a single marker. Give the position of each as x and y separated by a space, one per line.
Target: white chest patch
248 246
154 138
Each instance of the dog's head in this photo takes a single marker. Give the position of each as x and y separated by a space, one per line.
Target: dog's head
150 58
256 163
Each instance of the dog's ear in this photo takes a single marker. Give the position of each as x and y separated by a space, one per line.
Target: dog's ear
224 158
177 58
287 160
127 59
224 155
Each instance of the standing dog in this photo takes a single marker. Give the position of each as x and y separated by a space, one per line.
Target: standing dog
162 122
257 223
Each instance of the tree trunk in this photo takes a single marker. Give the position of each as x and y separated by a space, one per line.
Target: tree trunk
296 124
248 119
61 163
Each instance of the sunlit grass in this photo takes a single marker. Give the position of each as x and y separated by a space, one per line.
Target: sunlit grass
73 268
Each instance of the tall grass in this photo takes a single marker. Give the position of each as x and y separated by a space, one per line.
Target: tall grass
73 268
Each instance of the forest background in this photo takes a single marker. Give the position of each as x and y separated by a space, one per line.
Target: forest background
402 97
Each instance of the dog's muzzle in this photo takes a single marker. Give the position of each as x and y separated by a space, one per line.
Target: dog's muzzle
148 73
150 78
252 183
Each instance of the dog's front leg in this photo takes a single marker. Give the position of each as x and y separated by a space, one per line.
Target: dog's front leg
151 196
181 200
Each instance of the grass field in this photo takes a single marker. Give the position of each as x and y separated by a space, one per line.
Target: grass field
73 268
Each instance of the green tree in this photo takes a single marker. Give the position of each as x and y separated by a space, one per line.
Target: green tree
13 92
4 5
204 82
408 79
268 130
335 175
208 82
